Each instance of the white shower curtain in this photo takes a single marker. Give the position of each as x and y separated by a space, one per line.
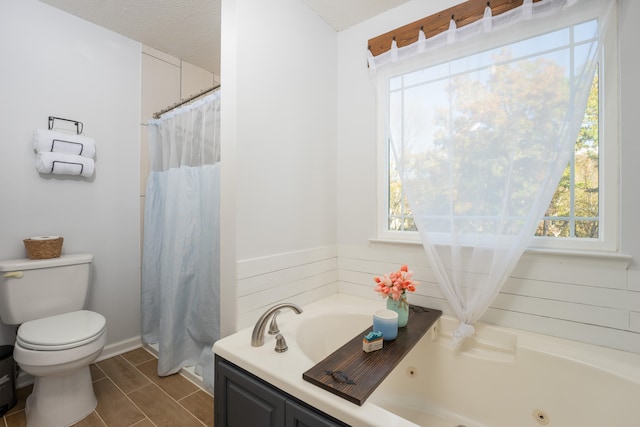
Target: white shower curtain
180 263
481 122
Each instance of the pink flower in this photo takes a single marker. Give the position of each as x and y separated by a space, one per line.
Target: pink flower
396 283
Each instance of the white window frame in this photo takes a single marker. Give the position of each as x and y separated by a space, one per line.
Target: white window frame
609 167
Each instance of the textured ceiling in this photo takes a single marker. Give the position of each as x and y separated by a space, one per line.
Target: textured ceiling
186 29
342 14
190 29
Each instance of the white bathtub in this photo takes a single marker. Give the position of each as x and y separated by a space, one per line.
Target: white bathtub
500 378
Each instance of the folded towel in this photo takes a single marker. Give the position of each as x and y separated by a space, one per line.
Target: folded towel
60 142
64 164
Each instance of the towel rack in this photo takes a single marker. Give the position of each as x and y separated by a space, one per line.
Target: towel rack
55 162
79 125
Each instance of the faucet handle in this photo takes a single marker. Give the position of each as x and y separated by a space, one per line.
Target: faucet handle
273 326
281 344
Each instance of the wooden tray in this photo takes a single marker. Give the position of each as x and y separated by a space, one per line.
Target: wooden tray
352 374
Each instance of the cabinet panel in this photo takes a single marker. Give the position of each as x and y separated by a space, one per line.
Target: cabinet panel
244 400
241 401
303 416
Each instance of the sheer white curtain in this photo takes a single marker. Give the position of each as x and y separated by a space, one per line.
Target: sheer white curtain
481 123
180 264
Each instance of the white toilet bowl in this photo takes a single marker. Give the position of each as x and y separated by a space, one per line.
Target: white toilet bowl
57 351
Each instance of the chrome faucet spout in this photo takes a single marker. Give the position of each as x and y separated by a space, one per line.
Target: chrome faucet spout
257 336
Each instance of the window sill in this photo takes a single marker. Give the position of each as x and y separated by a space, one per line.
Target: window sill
613 257
391 240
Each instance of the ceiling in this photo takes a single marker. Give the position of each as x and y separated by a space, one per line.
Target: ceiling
190 29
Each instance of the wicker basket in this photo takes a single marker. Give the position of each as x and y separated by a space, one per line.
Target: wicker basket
43 249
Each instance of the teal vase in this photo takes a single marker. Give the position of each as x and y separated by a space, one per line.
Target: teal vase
401 307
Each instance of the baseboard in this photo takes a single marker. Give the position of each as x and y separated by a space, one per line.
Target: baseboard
120 347
23 379
116 349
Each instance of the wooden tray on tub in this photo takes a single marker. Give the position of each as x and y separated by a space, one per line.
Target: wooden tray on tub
353 374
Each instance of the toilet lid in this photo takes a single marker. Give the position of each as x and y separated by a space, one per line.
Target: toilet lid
62 331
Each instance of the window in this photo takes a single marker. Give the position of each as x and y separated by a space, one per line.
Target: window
574 209
583 212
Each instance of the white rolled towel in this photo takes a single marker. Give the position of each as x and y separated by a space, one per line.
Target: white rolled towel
64 164
60 142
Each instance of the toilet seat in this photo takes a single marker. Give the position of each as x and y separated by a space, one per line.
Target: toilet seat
61 332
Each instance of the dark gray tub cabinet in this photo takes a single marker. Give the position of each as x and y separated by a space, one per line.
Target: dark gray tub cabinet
243 400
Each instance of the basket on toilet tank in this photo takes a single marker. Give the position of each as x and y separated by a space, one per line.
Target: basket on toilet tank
43 247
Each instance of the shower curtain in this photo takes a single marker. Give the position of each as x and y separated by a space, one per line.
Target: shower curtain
180 263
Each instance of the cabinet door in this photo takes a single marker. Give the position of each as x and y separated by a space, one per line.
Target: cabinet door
241 401
303 416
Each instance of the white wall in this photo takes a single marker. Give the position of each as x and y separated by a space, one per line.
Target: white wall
629 34
285 146
56 64
278 134
584 298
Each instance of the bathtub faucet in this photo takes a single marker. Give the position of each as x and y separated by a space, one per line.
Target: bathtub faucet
257 336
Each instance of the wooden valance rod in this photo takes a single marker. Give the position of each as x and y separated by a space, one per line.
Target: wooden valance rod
463 14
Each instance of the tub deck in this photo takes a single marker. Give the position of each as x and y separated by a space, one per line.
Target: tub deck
544 379
359 372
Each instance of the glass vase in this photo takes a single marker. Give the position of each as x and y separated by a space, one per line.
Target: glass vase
401 307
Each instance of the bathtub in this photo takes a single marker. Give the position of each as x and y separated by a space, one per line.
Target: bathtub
499 378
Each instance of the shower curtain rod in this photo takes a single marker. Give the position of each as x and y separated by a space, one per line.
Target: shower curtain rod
185 101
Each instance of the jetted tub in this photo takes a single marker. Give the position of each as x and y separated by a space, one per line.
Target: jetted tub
499 378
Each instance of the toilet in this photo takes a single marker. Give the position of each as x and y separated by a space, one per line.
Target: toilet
57 339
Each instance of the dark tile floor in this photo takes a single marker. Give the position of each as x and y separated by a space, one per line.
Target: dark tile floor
130 393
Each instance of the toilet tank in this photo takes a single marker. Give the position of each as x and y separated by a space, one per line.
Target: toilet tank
33 289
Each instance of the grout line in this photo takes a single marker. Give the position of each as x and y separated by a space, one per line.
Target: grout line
101 370
100 418
163 391
132 402
171 397
188 395
137 370
107 377
186 409
189 373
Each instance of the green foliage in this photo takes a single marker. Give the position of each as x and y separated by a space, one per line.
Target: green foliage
400 217
476 111
584 196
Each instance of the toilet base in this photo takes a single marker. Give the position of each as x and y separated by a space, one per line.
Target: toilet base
61 400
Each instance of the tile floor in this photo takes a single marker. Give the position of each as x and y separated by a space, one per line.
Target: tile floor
130 393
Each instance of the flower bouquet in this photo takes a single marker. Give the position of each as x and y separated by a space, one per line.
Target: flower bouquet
394 286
